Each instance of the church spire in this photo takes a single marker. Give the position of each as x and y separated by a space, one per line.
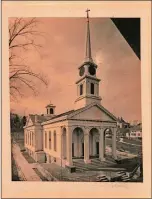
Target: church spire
88 42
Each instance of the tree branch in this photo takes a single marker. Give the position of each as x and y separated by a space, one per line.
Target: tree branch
22 33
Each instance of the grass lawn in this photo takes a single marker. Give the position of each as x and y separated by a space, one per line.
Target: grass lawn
126 147
131 141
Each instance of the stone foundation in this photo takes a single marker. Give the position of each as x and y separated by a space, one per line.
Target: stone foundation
56 160
40 157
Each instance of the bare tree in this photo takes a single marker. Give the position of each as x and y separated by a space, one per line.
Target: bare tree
22 34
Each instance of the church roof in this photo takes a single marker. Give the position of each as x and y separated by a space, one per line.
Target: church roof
39 118
63 114
71 113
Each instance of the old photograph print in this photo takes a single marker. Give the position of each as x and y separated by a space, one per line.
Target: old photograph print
75 99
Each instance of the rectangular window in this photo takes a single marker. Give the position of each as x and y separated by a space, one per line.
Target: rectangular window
81 89
45 140
92 88
49 139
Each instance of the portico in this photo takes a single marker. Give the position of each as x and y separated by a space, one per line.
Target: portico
86 142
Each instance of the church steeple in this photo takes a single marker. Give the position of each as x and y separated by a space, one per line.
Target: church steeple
88 84
88 56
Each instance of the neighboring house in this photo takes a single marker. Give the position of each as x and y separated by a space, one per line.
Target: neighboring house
79 133
121 123
135 132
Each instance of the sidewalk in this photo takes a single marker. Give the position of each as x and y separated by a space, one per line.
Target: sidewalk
25 167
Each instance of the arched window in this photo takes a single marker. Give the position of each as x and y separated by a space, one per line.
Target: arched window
49 139
45 140
92 88
51 110
81 89
54 141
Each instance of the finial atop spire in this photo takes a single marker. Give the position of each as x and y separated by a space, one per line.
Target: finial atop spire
88 42
87 11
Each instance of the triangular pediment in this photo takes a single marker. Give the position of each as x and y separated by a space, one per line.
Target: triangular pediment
93 112
29 122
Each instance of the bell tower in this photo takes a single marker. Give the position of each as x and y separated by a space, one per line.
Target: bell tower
88 83
50 109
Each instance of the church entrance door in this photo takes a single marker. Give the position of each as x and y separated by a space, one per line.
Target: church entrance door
83 149
72 149
97 148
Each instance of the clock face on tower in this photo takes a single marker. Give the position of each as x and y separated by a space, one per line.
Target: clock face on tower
81 72
92 70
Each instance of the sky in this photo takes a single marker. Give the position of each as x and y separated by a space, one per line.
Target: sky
63 51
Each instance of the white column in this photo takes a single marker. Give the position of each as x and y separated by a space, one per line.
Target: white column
86 146
114 143
102 145
69 146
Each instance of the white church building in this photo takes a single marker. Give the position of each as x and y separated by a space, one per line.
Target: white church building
78 133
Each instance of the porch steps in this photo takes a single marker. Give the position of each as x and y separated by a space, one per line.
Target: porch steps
102 178
123 176
95 164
